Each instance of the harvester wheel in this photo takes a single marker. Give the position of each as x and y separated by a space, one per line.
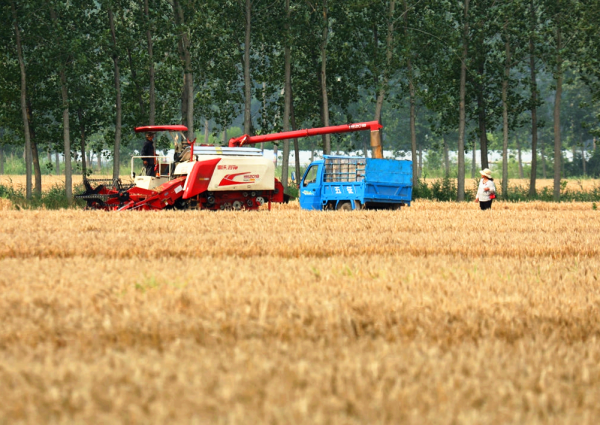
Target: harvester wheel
180 204
237 205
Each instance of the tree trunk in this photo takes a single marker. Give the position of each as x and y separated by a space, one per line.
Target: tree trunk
57 159
557 141
411 91
66 137
389 52
206 131
37 170
366 145
263 116
534 94
184 98
115 56
482 118
376 72
505 115
82 144
247 77
188 83
420 161
66 124
225 136
35 157
544 174
296 145
288 97
462 112
583 158
474 159
446 158
151 61
23 104
521 176
1 159
134 80
325 103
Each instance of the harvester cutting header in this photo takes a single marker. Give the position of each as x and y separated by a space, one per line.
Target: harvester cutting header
207 177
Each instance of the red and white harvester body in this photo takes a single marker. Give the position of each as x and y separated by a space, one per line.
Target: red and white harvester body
205 177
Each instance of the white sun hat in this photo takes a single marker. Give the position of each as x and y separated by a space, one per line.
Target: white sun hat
486 172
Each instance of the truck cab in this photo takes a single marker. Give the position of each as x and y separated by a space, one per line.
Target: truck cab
348 183
310 186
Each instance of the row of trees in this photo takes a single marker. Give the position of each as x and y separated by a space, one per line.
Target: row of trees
85 72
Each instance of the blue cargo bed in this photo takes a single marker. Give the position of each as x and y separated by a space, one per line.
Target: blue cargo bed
365 182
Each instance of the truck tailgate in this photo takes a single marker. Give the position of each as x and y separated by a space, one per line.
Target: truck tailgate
388 179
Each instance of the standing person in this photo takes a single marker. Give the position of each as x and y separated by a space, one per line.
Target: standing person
148 151
487 190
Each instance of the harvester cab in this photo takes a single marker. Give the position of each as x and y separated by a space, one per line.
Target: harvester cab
163 165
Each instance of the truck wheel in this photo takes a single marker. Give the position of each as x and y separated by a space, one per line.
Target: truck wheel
344 206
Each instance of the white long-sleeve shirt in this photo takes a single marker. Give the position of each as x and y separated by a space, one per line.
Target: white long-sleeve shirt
482 194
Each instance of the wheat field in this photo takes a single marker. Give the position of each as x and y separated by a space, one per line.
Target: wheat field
438 313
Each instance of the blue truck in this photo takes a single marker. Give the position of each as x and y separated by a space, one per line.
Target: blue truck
349 183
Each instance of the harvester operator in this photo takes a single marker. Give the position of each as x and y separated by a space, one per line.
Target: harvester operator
148 153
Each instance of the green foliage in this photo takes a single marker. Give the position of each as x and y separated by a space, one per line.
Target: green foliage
445 190
53 199
293 191
546 194
439 190
14 166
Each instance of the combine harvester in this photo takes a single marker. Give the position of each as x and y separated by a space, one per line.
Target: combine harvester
207 177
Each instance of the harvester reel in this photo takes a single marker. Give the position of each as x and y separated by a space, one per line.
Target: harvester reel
123 197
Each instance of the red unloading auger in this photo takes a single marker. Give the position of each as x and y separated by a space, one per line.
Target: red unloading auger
374 126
